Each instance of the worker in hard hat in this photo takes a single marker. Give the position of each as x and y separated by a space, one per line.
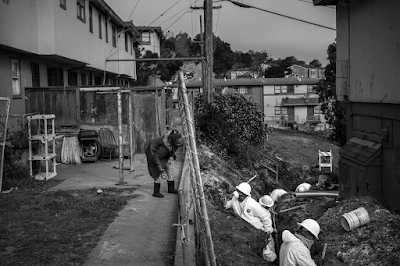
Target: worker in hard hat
303 187
269 251
250 210
295 249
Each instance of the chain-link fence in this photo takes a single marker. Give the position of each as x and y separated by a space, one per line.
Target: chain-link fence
194 194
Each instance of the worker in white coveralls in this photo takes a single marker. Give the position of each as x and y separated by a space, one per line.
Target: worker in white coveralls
295 249
269 251
252 212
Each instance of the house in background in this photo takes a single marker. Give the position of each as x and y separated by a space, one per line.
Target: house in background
306 72
150 38
284 101
368 80
59 43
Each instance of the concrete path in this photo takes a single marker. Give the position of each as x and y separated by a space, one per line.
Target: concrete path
142 234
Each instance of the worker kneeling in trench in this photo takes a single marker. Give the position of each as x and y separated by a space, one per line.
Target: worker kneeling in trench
252 212
295 249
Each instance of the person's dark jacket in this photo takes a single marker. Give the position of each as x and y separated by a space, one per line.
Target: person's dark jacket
158 152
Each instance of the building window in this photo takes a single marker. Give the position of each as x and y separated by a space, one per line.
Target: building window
280 89
106 28
317 109
242 90
290 89
131 41
55 76
81 10
72 78
114 36
83 79
63 4
280 110
16 77
100 28
35 75
145 38
91 19
310 88
126 41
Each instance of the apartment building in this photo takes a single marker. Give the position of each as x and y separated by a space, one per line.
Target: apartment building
61 43
150 38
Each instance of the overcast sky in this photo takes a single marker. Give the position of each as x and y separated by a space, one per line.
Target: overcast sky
243 28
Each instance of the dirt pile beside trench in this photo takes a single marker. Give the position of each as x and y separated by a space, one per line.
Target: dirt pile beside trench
237 243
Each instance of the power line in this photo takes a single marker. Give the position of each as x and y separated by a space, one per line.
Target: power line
285 16
162 14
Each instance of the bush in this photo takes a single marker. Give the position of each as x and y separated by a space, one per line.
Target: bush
231 122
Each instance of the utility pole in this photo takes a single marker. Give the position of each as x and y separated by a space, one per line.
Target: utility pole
208 8
203 63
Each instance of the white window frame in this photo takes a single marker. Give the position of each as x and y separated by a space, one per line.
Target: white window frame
281 110
63 4
16 77
145 37
80 7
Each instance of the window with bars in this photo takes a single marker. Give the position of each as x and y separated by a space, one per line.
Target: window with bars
15 77
35 75
280 110
80 4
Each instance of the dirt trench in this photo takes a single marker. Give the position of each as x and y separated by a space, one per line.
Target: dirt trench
238 243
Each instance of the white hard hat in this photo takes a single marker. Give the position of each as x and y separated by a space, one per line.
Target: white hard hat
244 188
312 226
303 187
266 201
277 193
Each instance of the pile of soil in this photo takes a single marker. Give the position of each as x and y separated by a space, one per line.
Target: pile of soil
236 242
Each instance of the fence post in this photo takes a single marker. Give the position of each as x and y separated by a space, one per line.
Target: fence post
195 159
120 144
131 147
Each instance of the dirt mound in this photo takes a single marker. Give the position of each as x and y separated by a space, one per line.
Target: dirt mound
237 243
376 243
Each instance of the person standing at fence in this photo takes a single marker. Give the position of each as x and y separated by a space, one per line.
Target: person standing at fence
160 153
252 212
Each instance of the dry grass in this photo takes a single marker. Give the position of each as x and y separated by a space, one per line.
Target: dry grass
41 227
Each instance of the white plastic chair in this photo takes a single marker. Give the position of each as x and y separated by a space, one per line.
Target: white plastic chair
325 159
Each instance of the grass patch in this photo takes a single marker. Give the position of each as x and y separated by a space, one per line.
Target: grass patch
41 227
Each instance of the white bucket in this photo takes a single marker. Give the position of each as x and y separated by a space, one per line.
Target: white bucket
354 219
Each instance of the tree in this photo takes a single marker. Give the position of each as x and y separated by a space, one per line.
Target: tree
281 67
315 63
334 110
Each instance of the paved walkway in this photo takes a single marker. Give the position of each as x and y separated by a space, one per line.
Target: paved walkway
142 234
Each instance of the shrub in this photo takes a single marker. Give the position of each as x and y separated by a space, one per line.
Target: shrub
232 122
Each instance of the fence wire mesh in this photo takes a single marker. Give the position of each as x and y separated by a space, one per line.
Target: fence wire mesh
203 239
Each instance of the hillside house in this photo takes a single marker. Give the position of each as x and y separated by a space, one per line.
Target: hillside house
150 38
367 67
305 72
284 101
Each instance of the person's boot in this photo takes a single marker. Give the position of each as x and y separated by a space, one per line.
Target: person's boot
157 191
171 187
